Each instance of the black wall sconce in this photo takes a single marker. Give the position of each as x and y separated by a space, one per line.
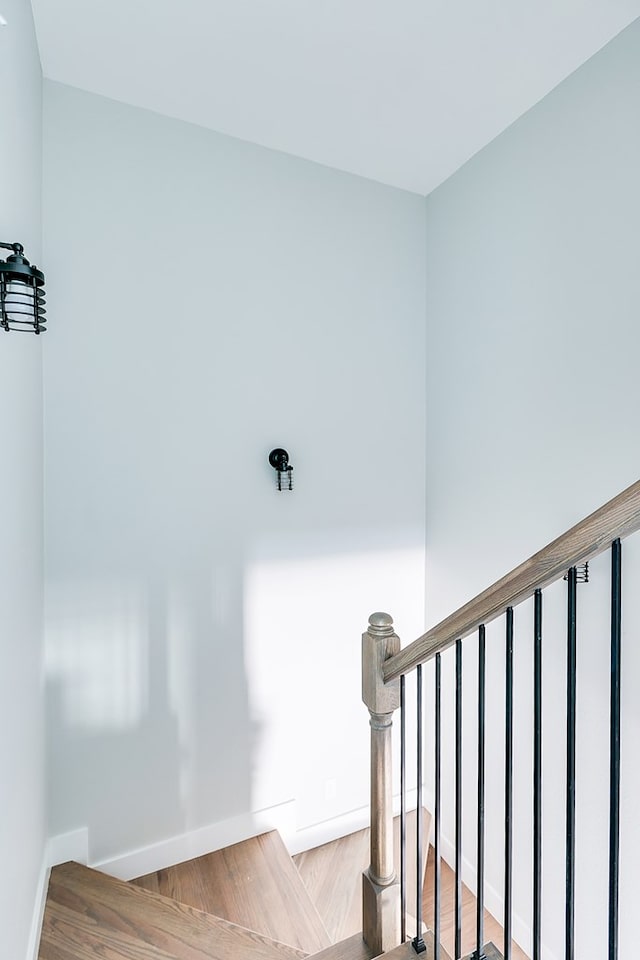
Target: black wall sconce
279 460
21 292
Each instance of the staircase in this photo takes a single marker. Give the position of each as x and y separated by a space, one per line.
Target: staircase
250 900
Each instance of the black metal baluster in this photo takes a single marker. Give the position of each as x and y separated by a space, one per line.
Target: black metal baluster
458 864
479 953
438 767
537 777
418 943
508 788
403 813
614 760
572 580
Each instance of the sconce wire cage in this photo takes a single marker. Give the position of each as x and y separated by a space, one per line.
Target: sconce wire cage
22 297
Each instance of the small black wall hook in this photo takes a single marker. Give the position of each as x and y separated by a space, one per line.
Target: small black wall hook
279 460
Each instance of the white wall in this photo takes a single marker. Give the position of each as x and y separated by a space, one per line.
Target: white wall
213 300
533 392
22 817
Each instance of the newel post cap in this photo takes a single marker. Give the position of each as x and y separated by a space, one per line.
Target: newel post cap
378 644
381 624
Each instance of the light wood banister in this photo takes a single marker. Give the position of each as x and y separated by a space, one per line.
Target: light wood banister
618 518
380 887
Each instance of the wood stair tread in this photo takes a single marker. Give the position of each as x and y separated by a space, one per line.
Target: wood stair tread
255 884
490 951
78 935
353 948
332 874
406 952
91 915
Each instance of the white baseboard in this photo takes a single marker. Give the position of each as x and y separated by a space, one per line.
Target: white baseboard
68 846
341 826
195 843
38 910
314 836
215 836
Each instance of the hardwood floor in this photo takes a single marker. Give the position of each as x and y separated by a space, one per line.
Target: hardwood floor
254 884
333 872
248 901
90 916
491 952
492 929
352 948
406 951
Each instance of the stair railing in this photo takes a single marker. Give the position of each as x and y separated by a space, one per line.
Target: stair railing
385 666
380 887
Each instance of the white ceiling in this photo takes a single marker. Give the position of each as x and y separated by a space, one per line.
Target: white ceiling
401 91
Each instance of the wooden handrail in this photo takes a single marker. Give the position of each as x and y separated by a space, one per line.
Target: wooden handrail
618 518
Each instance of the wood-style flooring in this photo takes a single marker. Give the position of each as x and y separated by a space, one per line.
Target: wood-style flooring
353 948
90 915
247 902
406 952
333 872
492 929
491 952
332 875
254 884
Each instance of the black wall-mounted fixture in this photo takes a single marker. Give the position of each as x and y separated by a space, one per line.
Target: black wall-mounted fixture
582 572
279 460
21 292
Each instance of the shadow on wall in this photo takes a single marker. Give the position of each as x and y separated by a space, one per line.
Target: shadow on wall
180 699
133 674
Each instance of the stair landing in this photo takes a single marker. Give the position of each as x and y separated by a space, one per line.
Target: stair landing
333 872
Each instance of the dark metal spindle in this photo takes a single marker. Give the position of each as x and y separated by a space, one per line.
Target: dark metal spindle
508 788
614 775
403 813
479 954
537 777
572 580
458 864
438 767
418 943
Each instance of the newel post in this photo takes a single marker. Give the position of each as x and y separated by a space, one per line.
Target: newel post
380 887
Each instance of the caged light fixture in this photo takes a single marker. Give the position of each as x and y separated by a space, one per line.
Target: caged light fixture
21 292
